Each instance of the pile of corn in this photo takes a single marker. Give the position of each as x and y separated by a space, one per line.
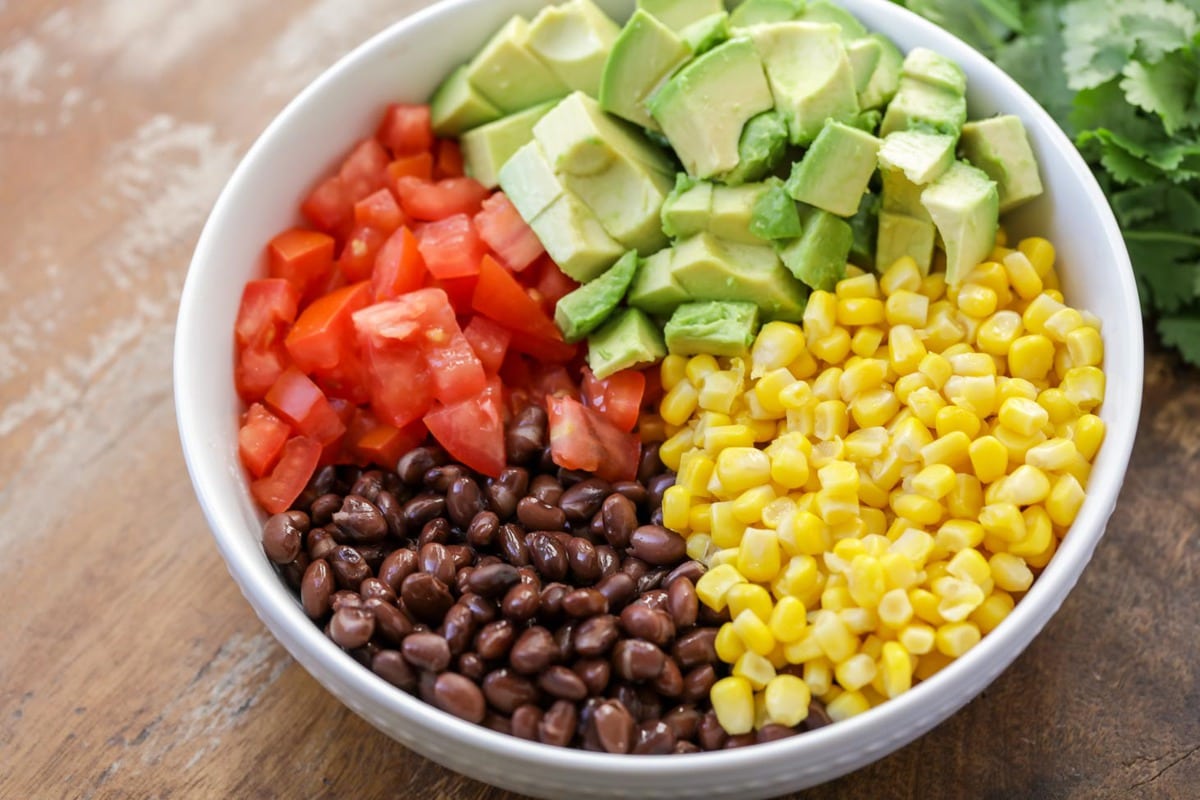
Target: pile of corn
874 491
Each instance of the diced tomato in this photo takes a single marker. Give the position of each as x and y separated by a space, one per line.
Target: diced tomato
460 291
500 297
406 129
299 401
329 206
324 335
618 397
449 160
261 439
258 368
489 340
379 210
399 267
545 350
268 306
357 259
654 389
429 201
400 386
365 170
276 492
472 430
502 229
369 441
581 438
418 166
303 258
451 247
552 284
348 380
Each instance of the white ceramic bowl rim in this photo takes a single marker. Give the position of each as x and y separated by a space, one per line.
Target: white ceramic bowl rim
278 608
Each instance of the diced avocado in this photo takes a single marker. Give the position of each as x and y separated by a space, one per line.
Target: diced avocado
818 257
901 196
901 235
711 269
456 106
704 107
764 12
627 199
733 212
583 310
836 170
760 150
919 105
574 40
714 327
509 75
579 138
628 339
575 239
965 206
922 156
654 288
865 225
822 11
706 33
867 121
884 79
644 55
1000 147
935 69
486 148
687 208
809 73
775 214
864 57
678 14
529 181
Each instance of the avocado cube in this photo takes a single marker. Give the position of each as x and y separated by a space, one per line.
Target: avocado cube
733 212
706 33
575 239
919 105
574 40
583 310
1000 147
809 73
831 14
628 339
678 14
965 206
761 149
865 225
654 289
509 75
935 69
921 155
456 106
714 327
486 149
901 235
529 181
818 257
884 78
627 200
579 138
900 195
709 268
836 170
687 208
704 108
643 56
764 12
775 214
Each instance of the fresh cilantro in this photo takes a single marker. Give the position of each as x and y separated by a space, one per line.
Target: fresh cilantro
1183 333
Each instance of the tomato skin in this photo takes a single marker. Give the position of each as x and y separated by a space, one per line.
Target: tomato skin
451 247
431 201
258 368
261 439
365 170
357 259
371 442
303 258
298 460
324 335
460 291
416 166
472 430
268 306
406 129
300 402
379 210
581 438
552 284
399 268
489 340
449 159
618 397
500 297
329 206
509 237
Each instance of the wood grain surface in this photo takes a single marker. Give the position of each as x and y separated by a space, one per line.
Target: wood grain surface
130 666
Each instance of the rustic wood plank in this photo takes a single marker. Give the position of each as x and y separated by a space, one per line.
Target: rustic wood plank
133 668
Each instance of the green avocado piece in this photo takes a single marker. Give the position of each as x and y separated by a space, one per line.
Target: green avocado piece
529 181
884 78
575 239
687 208
760 150
705 106
583 310
509 75
935 69
865 225
574 39
643 56
764 12
1000 147
921 155
706 33
486 148
678 14
922 106
900 195
836 170
867 121
823 11
901 235
715 327
965 206
809 73
709 268
456 107
733 212
628 339
654 289
627 199
818 257
775 214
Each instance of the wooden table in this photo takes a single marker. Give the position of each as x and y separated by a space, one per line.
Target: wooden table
131 667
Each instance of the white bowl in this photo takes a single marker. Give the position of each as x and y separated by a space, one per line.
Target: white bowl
405 62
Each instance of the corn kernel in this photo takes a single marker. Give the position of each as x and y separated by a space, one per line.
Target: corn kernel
770 387
713 586
951 449
1065 500
969 565
1031 357
1003 520
1023 275
863 285
895 610
998 332
1010 572
818 674
672 370
839 477
749 505
1039 535
778 344
804 533
700 367
749 597
917 638
954 418
957 535
719 391
724 556
728 646
992 612
957 598
757 670
835 509
804 649
725 528
733 702
935 481
1085 346
977 300
679 403
788 620
976 393
933 286
895 669
855 672
956 638
830 420
787 699
698 546
754 633
862 376
671 451
742 468
759 556
907 308
874 408
904 275
719 437
1025 486
834 638
676 502
1088 435
1084 386
1059 324
847 705
1039 252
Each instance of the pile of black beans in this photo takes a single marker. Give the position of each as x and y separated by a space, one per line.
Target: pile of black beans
545 603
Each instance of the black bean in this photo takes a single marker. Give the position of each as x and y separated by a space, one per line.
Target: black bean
432 558
439 479
526 435
345 598
710 735
547 555
584 561
633 491
323 508
669 682
320 483
435 531
504 491
391 666
495 638
654 738
321 543
618 588
657 545
426 651
634 567
690 569
506 690
390 622
373 587
316 588
463 501
595 636
493 579
581 502
655 487
349 567
682 602
614 727
551 600
684 721
561 682
460 555
533 651
413 465
525 722
520 602
351 627
457 628
564 637
512 545
483 528
293 573
471 666
620 520
459 696
696 647
650 464
557 725
594 672
426 597
682 748
583 603
393 513
483 610
368 485
637 660
546 488
283 535
610 562
817 717
697 683
423 508
539 515
773 733
396 567
643 622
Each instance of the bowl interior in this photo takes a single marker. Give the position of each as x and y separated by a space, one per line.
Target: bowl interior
405 63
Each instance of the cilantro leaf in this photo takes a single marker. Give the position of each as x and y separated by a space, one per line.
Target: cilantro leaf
1183 333
1166 266
1035 62
1166 88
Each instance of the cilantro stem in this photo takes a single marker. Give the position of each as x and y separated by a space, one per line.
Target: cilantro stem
1163 236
